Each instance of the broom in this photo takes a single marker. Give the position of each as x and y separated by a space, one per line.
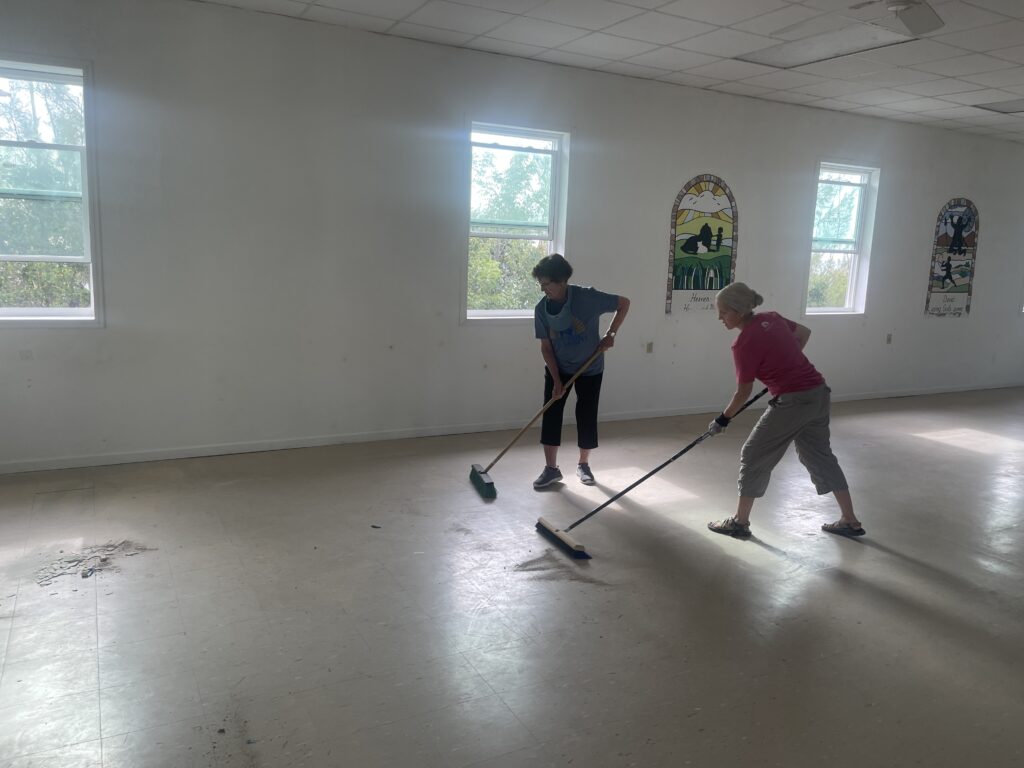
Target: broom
561 536
478 474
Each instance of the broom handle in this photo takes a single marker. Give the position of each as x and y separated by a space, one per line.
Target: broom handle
547 405
660 467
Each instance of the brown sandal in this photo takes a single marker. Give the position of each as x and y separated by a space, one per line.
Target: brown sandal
844 529
731 527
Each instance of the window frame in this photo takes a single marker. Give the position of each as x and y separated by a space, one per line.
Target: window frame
856 291
54 69
557 204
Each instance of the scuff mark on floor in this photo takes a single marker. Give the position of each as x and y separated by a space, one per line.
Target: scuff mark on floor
89 561
552 567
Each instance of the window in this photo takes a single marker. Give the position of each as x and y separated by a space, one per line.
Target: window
518 192
844 214
47 271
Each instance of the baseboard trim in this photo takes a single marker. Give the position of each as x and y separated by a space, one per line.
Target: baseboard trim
256 446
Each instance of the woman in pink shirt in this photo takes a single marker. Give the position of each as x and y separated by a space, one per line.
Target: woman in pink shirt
770 348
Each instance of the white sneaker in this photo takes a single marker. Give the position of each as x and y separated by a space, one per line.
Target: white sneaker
585 475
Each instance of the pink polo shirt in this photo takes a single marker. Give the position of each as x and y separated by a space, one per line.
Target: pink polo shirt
766 349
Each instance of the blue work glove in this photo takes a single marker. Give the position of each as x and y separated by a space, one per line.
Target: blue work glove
719 424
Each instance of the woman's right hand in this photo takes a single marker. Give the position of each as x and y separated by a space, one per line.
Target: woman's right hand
558 390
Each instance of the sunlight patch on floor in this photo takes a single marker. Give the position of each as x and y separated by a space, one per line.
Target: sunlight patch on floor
974 440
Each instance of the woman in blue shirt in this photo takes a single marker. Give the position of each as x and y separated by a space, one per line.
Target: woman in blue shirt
566 321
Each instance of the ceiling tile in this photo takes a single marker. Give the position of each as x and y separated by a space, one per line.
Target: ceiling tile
660 28
834 104
1002 35
909 117
818 25
958 16
937 87
984 96
955 113
347 19
825 47
430 34
876 97
778 21
590 14
643 3
830 88
633 70
792 97
536 32
913 52
672 59
558 56
461 18
741 89
722 12
1008 7
507 47
842 67
685 78
784 80
727 43
964 65
1003 122
829 5
509 6
894 76
920 105
730 69
389 9
282 7
875 111
607 46
1015 54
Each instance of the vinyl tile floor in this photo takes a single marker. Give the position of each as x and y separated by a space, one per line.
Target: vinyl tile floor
361 606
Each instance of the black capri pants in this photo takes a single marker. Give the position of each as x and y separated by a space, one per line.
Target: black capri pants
588 392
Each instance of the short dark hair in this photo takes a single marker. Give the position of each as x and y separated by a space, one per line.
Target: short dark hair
554 268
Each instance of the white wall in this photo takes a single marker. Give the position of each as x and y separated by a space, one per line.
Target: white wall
283 212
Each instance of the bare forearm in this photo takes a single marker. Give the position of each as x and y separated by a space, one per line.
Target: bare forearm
739 397
551 362
620 314
608 340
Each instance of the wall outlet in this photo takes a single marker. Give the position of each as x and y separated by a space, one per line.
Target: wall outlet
25 354
649 347
888 338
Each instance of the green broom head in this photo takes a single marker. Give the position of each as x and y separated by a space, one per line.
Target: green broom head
482 482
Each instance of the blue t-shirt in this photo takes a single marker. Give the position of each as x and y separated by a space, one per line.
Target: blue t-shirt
572 327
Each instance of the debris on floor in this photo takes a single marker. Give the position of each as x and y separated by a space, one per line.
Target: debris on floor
89 561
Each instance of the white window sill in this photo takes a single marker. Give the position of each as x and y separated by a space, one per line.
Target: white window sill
44 321
826 312
498 316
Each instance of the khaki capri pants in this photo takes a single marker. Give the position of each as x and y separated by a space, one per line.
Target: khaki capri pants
792 417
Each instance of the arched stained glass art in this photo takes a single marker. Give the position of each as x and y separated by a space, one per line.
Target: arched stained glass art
702 246
954 255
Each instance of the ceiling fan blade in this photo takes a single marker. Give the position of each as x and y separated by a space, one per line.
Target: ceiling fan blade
920 19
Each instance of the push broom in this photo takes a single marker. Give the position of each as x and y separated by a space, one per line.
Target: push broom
561 537
478 474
